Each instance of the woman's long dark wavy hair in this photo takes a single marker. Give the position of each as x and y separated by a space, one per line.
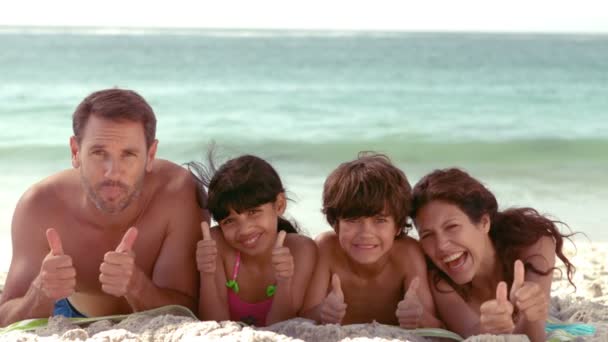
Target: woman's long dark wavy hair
239 184
511 230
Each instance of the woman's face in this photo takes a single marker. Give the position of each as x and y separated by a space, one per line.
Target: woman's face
456 245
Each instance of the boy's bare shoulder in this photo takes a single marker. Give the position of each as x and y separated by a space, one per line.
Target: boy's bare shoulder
328 245
300 244
328 239
408 253
407 245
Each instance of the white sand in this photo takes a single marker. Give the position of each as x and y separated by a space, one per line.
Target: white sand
588 304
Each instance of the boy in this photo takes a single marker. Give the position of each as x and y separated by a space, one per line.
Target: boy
368 269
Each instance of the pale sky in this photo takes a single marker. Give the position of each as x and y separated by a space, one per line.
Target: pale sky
420 15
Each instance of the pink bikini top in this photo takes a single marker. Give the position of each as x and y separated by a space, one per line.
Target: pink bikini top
249 313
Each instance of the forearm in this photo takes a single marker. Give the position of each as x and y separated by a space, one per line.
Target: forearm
145 295
430 321
211 307
313 313
282 304
32 305
534 330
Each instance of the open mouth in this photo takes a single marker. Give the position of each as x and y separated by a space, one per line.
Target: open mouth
456 260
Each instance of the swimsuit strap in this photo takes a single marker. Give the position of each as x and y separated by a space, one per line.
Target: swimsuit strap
237 264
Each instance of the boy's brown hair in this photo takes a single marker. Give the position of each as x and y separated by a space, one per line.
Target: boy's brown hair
367 186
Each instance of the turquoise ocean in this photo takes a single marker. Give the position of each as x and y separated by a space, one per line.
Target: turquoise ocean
525 113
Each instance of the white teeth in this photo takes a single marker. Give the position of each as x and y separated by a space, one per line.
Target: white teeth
252 240
452 257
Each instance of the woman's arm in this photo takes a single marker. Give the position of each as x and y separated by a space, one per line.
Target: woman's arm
532 297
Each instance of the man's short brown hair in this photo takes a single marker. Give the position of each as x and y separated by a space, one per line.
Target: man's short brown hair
367 186
115 104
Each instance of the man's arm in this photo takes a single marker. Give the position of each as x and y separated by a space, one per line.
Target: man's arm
175 277
36 278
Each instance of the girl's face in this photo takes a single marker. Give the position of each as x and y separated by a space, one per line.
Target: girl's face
456 245
254 230
367 239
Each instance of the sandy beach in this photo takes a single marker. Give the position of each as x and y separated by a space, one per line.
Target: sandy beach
588 304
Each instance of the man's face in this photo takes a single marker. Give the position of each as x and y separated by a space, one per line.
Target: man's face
113 159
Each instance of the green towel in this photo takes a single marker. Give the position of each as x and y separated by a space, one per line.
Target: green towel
35 323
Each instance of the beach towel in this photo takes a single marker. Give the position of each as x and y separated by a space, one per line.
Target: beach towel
557 331
33 324
561 331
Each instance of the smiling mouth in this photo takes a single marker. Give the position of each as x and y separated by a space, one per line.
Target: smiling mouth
456 260
251 241
365 246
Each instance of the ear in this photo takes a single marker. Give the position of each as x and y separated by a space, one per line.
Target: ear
281 203
75 151
151 154
399 230
485 223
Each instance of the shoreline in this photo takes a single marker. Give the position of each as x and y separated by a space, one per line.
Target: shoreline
588 304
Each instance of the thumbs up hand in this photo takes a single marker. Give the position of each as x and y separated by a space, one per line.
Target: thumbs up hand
409 310
118 267
496 314
57 277
206 251
528 297
333 307
282 260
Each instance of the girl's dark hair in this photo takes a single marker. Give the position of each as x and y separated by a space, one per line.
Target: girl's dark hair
511 230
239 184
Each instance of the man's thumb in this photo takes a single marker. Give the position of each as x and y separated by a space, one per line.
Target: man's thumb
126 244
336 288
54 240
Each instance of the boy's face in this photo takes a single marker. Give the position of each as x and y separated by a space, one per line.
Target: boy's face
367 239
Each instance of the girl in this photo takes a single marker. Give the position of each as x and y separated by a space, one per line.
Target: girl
254 266
491 270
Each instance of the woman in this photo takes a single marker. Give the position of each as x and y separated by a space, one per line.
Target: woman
490 270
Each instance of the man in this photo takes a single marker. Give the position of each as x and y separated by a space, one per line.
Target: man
116 233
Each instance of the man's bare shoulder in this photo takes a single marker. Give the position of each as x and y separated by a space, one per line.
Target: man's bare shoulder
43 196
172 178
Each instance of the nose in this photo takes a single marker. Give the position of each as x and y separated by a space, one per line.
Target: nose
366 227
112 168
441 241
